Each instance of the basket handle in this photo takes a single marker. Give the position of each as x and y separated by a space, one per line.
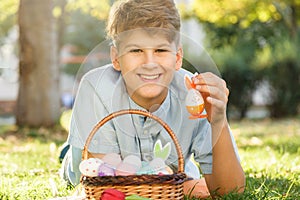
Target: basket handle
138 112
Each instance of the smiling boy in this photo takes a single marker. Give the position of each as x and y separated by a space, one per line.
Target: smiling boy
147 63
146 74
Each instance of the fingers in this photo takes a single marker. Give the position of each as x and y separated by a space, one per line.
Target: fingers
213 85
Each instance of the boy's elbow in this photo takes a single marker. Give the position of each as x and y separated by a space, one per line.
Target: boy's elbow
234 186
238 186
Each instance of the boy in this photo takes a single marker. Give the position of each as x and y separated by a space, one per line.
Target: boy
146 74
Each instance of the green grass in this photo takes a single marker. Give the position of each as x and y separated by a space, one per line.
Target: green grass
269 152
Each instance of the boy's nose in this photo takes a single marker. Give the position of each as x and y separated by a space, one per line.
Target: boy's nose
149 56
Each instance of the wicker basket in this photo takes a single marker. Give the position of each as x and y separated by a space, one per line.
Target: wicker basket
150 186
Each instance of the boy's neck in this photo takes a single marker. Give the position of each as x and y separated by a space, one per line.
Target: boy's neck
150 105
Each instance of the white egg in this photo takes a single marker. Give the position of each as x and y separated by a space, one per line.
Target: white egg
157 164
90 167
193 98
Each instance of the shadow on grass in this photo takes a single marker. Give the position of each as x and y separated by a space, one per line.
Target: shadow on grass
281 144
56 134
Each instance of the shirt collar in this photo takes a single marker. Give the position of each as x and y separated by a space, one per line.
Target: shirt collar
161 112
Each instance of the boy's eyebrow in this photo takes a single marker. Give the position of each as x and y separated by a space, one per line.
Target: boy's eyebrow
142 46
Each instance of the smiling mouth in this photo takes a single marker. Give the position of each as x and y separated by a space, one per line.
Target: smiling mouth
145 77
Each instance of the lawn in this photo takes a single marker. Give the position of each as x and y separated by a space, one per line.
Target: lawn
269 152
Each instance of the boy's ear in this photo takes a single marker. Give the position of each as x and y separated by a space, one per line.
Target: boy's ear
114 58
179 57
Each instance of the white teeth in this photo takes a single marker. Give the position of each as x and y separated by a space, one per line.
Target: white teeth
150 77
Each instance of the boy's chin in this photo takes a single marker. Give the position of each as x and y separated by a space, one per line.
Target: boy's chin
150 92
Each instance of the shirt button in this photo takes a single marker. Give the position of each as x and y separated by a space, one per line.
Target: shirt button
95 142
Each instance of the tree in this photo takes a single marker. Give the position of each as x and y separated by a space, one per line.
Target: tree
38 101
248 29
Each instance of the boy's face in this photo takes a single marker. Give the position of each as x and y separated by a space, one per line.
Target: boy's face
147 63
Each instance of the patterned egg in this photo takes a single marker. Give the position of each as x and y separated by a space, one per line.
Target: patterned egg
125 169
106 170
112 159
133 160
90 166
163 171
194 102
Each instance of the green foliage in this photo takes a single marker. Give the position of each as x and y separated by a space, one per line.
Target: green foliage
8 15
284 79
84 31
96 9
241 80
235 64
247 39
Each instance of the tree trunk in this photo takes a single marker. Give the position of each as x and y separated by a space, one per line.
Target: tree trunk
38 101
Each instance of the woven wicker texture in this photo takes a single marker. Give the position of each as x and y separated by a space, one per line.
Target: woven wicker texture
150 186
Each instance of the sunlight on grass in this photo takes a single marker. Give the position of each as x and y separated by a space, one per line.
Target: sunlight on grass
269 152
28 160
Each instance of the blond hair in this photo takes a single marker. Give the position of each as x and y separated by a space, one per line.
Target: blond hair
132 14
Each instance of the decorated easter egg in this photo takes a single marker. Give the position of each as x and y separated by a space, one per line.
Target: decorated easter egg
157 164
105 170
112 194
169 170
145 169
90 166
125 169
133 160
194 102
112 159
165 171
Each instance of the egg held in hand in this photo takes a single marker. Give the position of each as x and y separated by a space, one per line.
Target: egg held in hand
194 102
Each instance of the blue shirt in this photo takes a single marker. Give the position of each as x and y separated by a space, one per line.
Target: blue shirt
102 91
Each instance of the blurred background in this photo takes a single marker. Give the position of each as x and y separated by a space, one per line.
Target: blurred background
255 45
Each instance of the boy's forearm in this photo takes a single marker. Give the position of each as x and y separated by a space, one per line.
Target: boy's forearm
228 175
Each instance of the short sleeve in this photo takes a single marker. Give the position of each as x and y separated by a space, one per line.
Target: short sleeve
88 110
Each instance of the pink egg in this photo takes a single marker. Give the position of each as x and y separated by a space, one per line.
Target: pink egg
125 169
133 160
105 170
112 159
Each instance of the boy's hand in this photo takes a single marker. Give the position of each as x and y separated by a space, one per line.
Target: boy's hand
215 94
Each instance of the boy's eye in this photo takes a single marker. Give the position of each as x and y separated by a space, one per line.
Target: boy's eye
161 50
136 51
